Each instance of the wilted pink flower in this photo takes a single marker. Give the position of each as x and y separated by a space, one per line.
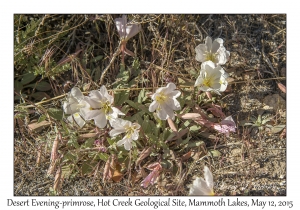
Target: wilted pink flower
227 125
151 178
126 31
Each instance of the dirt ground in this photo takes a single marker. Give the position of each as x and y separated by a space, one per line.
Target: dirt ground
250 162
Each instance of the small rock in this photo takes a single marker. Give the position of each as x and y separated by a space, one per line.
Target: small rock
275 101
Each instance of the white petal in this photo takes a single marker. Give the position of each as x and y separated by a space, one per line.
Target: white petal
135 135
153 106
162 114
121 25
117 111
132 30
208 177
96 95
136 126
173 104
215 45
223 87
169 88
79 121
100 120
199 187
207 65
117 131
104 93
199 81
221 58
127 145
200 50
168 110
88 114
174 94
208 43
121 142
70 119
76 93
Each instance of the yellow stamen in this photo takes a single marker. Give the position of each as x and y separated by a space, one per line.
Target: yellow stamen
76 115
106 107
210 57
207 81
161 98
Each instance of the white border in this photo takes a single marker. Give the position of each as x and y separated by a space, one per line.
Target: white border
154 6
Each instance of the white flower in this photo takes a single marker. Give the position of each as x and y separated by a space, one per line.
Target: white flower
212 51
131 131
126 30
212 78
73 105
165 102
201 186
99 107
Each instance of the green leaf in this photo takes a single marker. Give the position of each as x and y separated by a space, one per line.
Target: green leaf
103 156
195 128
187 123
73 141
86 168
193 144
55 113
39 96
138 106
43 86
18 86
42 118
88 143
98 58
167 164
121 97
215 153
185 141
65 127
27 78
70 156
141 96
110 141
277 128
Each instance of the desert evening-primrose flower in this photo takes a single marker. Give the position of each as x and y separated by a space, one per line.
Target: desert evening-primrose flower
212 78
201 186
75 101
212 51
126 31
164 102
130 129
99 107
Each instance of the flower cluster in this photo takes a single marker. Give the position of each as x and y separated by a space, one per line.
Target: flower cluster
212 76
98 106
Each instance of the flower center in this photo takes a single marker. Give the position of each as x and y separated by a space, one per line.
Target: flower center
161 98
76 114
106 107
210 56
207 81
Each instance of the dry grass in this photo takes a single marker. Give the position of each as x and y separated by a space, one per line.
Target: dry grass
251 161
